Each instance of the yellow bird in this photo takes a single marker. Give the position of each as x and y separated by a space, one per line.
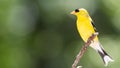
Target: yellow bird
86 28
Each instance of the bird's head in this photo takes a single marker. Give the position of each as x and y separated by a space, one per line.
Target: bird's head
80 12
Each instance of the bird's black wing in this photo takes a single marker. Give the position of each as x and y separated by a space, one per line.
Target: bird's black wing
94 26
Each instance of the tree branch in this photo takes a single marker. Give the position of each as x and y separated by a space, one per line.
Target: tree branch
82 51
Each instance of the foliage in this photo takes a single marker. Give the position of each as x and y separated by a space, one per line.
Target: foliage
42 33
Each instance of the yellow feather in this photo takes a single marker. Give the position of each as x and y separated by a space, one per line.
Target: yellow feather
85 28
84 25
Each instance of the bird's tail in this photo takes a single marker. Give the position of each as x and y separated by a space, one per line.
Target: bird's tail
105 57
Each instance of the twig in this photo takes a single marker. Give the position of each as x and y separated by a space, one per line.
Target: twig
82 51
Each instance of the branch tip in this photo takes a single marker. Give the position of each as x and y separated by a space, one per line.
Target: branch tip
79 66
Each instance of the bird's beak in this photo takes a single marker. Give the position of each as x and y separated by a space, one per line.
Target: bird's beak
73 12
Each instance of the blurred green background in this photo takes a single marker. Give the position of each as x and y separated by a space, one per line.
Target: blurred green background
43 34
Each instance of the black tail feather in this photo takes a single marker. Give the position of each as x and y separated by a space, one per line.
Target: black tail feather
105 57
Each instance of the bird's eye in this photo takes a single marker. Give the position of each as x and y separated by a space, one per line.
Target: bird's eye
76 10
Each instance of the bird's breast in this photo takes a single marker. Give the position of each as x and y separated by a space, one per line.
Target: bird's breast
85 29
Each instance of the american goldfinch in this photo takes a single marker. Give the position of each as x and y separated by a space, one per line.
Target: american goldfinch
86 28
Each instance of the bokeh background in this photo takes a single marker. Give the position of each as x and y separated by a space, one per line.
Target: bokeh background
43 34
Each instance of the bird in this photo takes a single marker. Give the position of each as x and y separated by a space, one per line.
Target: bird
86 28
